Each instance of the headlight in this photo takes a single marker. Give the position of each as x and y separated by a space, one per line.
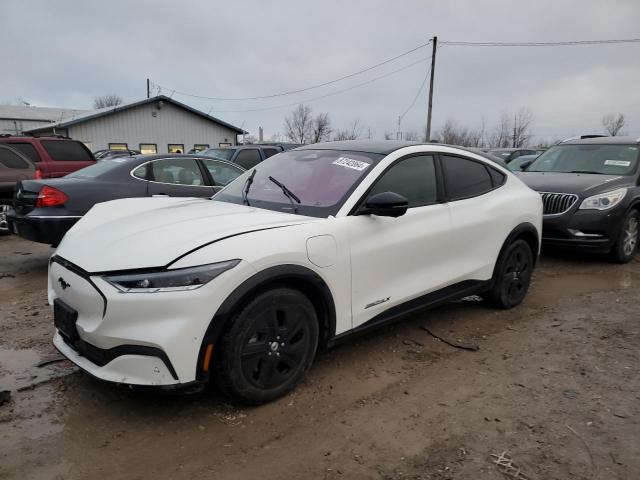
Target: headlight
604 201
170 280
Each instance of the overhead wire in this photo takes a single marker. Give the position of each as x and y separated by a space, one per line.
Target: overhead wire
306 89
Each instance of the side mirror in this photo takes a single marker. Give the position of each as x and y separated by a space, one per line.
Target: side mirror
385 204
525 165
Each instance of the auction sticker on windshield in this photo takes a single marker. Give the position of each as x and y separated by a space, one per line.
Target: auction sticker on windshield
617 163
351 163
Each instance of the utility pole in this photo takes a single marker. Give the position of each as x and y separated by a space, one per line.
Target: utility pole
148 89
433 68
515 119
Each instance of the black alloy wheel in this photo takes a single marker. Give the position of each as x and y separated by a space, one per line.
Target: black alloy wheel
268 348
512 275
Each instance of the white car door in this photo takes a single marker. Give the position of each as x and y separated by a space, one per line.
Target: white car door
477 204
396 259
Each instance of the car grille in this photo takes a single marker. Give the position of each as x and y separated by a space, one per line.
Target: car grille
557 203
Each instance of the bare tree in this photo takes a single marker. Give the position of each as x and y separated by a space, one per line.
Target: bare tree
109 100
353 132
411 136
299 125
453 134
613 123
522 127
250 139
321 128
501 135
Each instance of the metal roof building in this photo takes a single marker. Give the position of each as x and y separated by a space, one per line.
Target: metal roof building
17 119
153 125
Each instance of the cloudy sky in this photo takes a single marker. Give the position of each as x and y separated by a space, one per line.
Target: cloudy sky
64 53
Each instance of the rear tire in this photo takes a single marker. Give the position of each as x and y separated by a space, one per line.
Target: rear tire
512 276
5 206
268 347
627 245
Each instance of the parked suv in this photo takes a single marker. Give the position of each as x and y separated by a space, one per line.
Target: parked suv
53 156
14 167
591 194
306 248
247 156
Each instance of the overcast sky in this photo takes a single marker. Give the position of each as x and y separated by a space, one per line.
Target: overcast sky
64 53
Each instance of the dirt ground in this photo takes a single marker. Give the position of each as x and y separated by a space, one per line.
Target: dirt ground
554 387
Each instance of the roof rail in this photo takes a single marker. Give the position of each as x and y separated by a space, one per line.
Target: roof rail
582 137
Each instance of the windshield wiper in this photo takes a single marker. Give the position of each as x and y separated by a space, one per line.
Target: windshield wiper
246 187
287 193
585 171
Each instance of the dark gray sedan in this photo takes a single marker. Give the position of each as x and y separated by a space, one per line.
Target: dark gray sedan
46 209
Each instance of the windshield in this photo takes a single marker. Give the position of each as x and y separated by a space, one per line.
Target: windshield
599 159
501 153
321 179
221 153
97 169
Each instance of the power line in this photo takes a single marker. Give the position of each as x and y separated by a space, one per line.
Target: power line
415 99
300 90
313 99
542 44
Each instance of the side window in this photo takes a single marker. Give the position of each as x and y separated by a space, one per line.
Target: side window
414 178
27 149
269 152
222 173
179 171
497 177
11 160
142 171
465 178
248 158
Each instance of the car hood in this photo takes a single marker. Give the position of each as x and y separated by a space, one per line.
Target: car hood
578 183
152 232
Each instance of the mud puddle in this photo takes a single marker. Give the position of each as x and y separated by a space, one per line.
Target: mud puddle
26 368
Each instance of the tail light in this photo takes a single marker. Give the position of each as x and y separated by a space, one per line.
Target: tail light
50 197
38 174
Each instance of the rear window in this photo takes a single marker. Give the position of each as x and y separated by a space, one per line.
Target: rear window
27 149
97 169
67 150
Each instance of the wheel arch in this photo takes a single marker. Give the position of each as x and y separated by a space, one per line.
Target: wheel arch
525 231
293 276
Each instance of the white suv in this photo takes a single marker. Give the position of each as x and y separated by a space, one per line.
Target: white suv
311 245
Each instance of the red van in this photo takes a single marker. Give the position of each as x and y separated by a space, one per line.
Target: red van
53 156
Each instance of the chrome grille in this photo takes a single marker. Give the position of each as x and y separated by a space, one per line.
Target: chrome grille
557 203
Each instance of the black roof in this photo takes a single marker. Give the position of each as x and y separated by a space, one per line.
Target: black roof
383 147
602 141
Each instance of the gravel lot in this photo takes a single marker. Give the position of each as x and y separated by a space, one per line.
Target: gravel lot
554 384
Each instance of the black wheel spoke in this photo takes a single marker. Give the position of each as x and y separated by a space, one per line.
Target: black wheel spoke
265 374
253 349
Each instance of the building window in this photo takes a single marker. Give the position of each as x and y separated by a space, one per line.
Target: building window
224 144
176 148
118 146
148 148
198 147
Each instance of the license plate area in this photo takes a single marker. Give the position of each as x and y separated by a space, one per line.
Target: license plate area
65 318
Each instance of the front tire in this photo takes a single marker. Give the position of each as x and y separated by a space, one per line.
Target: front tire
269 346
512 276
627 244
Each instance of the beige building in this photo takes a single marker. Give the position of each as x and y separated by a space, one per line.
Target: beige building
154 125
